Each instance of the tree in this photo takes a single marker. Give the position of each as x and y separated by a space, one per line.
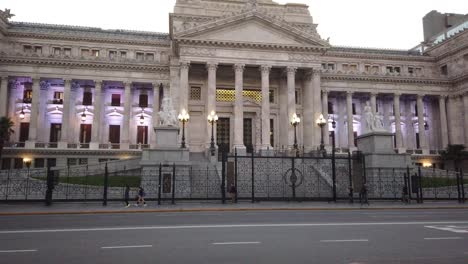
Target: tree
454 153
5 131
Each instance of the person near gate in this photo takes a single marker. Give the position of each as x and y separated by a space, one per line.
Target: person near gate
127 195
233 192
141 197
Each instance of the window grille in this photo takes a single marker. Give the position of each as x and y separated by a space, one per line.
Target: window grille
229 95
195 93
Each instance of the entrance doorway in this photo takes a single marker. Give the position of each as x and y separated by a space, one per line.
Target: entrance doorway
248 134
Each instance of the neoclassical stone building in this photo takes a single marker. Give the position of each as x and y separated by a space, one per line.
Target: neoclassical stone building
81 95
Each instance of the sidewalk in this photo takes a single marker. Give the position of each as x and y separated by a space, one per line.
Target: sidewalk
36 208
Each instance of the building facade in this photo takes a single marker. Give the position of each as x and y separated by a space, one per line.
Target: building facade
81 95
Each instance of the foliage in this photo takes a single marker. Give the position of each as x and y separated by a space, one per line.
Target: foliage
5 131
455 153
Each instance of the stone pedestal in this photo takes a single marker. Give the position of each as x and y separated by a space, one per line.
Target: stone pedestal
379 152
167 150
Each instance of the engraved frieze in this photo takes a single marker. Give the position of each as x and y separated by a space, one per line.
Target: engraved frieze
198 51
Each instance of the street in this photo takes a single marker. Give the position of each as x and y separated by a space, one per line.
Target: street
322 236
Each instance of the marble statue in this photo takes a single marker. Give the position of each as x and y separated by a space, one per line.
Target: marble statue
371 122
167 115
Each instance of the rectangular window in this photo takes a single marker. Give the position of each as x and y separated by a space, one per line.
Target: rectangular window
114 134
140 56
417 141
444 70
375 69
51 162
389 69
112 54
27 96
6 163
330 108
354 108
18 163
55 132
83 161
331 66
272 132
353 67
95 53
115 101
38 49
57 51
142 135
143 100
297 97
367 68
271 95
415 109
410 70
396 69
87 98
85 52
72 161
24 132
27 49
123 54
58 98
149 56
195 93
39 163
85 133
345 67
67 51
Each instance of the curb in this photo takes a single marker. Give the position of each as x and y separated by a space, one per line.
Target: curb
223 210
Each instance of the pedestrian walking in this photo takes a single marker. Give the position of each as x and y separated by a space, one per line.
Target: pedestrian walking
141 196
127 195
404 195
233 193
363 199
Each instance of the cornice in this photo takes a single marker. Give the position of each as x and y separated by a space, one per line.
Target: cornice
379 56
384 79
82 64
84 152
250 45
79 37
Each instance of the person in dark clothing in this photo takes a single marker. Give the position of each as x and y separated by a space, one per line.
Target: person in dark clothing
363 199
233 193
404 195
141 197
127 195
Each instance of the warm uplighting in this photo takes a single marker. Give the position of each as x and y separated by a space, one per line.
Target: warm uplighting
83 117
212 117
21 115
427 164
321 121
184 116
27 162
295 120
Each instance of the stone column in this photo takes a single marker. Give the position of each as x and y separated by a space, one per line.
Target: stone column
265 70
316 83
308 111
239 110
184 87
396 110
422 132
443 121
35 106
373 102
96 128
210 101
465 111
349 113
4 96
125 141
155 115
326 138
291 79
65 114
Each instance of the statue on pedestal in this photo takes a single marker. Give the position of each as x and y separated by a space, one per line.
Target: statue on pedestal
167 115
371 122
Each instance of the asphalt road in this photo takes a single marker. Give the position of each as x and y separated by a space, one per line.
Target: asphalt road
406 236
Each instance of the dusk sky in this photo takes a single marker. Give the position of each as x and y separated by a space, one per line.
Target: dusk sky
395 24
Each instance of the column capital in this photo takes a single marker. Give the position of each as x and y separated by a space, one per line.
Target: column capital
98 83
349 93
156 84
420 96
127 84
443 96
75 85
291 69
239 67
184 65
374 93
67 82
397 94
324 92
211 66
265 69
4 78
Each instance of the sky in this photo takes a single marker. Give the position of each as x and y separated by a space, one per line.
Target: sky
393 24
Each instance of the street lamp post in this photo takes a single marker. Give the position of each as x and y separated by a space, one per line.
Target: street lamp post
321 122
295 120
212 119
333 159
184 118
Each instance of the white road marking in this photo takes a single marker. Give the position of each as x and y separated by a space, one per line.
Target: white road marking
450 228
18 251
441 238
345 240
236 243
139 246
224 226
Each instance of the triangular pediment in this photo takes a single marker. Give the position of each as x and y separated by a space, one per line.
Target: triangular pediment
252 27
